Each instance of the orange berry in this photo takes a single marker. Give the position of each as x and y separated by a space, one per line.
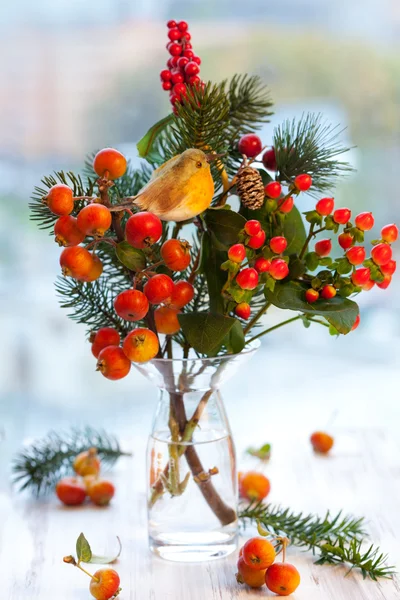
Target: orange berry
176 254
60 199
87 463
100 491
166 319
328 292
106 336
254 486
282 579
356 323
390 233
67 231
158 288
109 162
94 219
252 577
95 271
112 363
104 584
76 262
182 294
311 295
131 305
364 221
321 442
141 345
258 553
70 491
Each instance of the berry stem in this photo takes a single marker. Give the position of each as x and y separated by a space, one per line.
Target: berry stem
70 560
308 240
256 317
93 198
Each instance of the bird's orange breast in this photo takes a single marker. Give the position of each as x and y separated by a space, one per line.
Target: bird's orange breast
199 191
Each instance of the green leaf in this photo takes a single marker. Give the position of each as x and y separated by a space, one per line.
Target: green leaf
205 332
83 550
147 144
210 265
294 231
235 340
130 257
341 313
270 284
106 560
225 225
312 261
297 267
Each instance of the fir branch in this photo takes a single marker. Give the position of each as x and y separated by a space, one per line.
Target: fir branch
41 213
310 146
338 539
41 465
92 303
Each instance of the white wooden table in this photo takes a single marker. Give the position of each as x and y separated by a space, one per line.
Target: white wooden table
362 476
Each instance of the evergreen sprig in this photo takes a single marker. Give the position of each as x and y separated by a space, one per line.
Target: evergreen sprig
311 146
42 464
338 539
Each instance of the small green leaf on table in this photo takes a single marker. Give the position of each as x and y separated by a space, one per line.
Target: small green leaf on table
107 559
83 550
131 257
263 453
204 331
147 144
341 313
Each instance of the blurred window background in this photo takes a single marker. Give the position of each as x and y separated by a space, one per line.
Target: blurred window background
77 76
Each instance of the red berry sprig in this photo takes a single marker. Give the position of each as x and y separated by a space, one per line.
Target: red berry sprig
183 67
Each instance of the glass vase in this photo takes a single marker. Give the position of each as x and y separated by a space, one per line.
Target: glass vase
191 461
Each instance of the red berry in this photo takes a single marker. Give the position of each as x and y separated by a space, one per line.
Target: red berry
243 310
141 345
356 323
172 62
269 159
182 26
171 24
176 254
381 254
321 442
180 90
345 240
94 219
328 292
278 244
252 227
174 49
390 233
273 189
106 336
60 199
342 216
192 68
323 247
70 491
287 205
143 229
361 276
325 206
131 305
188 45
158 288
188 53
174 34
67 231
166 85
257 241
182 294
389 268
182 62
104 584
356 255
177 77
262 265
166 319
165 75
237 253
282 578
247 278
174 99
311 295
76 262
385 283
365 221
303 182
258 553
194 80
101 491
248 575
109 162
197 59
95 270
279 269
187 37
250 145
112 363
368 286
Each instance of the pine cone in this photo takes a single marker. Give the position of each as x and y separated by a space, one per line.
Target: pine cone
250 188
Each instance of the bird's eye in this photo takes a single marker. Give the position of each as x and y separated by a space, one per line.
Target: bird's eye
199 164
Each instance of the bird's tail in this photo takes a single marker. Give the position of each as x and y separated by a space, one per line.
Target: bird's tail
139 200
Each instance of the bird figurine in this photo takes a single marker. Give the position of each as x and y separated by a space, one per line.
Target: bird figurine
179 189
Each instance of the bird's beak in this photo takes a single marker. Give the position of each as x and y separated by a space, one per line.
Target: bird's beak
214 156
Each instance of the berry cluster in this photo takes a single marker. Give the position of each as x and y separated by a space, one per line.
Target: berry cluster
183 65
72 491
256 567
